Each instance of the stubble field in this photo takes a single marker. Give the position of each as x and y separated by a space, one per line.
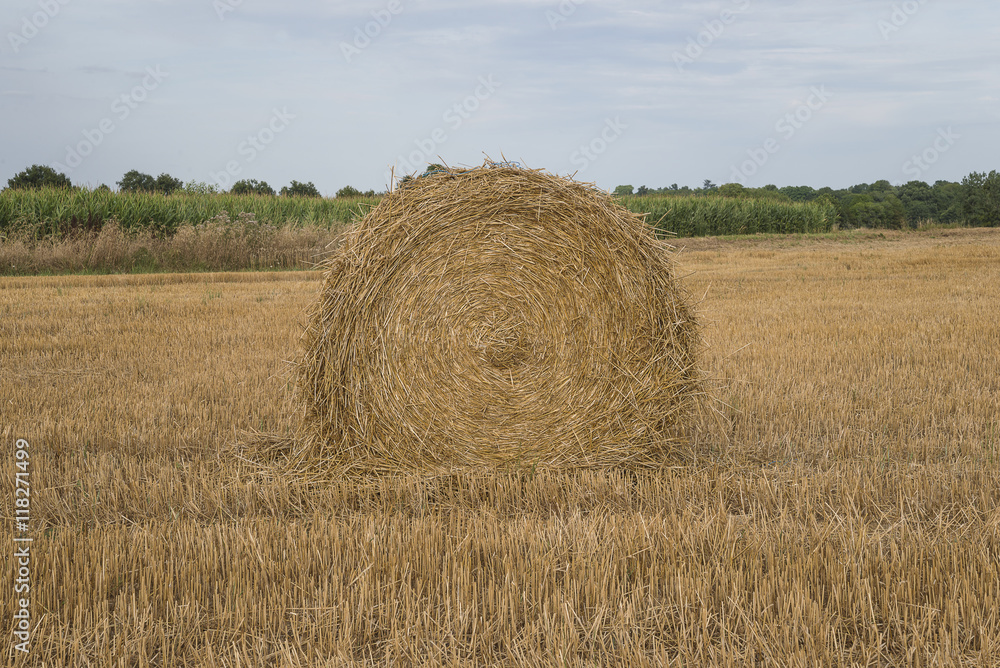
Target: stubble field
845 512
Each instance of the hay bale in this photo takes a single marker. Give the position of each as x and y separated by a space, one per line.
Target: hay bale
497 316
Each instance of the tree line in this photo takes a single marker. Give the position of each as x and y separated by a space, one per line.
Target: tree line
975 201
134 181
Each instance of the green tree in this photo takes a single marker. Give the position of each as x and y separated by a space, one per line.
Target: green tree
200 188
948 201
862 211
981 205
167 184
799 193
918 201
622 190
881 186
348 191
642 191
738 190
297 189
135 181
894 212
769 193
251 187
39 176
874 210
732 190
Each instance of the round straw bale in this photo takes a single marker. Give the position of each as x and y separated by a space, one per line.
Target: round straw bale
498 316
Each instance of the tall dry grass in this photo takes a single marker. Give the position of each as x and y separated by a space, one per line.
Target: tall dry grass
848 516
218 244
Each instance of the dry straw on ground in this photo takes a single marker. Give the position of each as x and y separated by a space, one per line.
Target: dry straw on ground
852 520
497 316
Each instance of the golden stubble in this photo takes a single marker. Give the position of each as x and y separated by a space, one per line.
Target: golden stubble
844 511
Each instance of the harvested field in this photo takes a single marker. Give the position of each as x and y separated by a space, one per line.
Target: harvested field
847 513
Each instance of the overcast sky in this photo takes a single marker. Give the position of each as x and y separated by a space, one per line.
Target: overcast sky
641 93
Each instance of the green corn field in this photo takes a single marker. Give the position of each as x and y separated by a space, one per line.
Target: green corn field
693 216
57 212
53 212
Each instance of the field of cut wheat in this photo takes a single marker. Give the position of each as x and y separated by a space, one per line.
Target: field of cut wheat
844 508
